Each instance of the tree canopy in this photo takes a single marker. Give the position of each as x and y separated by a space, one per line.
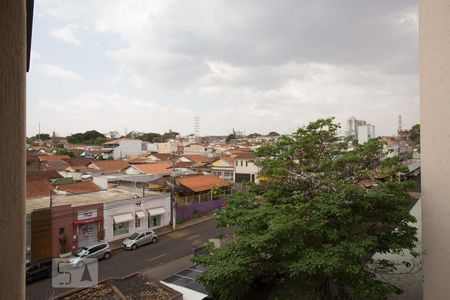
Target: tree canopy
64 152
313 226
230 137
88 137
273 133
151 137
415 134
254 135
169 135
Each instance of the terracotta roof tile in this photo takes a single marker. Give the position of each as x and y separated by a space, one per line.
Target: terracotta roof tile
159 168
110 165
79 187
201 183
52 158
198 158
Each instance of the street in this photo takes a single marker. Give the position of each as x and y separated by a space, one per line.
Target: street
169 247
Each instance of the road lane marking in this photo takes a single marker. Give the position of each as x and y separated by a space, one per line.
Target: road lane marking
156 257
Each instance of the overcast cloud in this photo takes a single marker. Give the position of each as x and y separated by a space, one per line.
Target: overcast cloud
252 65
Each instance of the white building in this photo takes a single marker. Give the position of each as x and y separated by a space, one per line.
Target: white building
125 148
360 130
124 217
244 169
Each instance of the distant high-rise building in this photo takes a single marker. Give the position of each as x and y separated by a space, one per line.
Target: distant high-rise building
360 130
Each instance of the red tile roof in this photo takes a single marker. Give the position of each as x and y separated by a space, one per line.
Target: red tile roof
245 155
78 187
201 183
38 183
78 161
198 158
159 168
52 158
110 165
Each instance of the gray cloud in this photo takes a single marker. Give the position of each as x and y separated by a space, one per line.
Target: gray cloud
279 63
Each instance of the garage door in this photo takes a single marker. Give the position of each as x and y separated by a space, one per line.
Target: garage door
87 234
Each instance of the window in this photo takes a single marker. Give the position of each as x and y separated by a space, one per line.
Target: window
242 163
96 248
120 228
61 231
246 163
237 163
154 221
137 221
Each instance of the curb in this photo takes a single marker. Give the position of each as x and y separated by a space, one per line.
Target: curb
181 227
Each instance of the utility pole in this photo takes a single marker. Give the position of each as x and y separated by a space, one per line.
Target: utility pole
173 206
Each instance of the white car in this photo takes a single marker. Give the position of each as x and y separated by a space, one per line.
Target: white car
98 251
139 239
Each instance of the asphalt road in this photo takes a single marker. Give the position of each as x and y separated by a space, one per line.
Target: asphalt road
169 247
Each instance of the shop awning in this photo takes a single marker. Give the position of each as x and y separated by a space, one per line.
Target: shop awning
140 214
123 218
81 222
156 211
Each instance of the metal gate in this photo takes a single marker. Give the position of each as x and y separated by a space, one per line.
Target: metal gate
87 234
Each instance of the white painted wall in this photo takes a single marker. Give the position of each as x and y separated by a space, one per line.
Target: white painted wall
130 206
128 149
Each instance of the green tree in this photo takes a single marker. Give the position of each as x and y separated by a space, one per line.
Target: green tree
254 135
99 140
65 152
415 134
312 228
151 137
273 133
88 137
230 137
169 135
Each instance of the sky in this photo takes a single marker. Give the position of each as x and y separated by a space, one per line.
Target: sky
255 66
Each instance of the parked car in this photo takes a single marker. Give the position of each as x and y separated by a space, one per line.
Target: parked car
38 270
99 251
139 239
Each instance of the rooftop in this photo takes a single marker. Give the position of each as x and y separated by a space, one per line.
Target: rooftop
110 195
133 286
200 183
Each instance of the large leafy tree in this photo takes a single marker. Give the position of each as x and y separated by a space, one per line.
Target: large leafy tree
312 229
415 134
88 137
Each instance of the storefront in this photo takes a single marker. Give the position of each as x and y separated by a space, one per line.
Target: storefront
124 217
156 217
88 224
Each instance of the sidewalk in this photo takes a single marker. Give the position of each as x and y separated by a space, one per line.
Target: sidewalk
168 229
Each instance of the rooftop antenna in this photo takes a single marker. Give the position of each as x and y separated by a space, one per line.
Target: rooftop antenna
399 122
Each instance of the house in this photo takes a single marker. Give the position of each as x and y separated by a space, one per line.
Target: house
98 154
160 157
108 166
224 168
38 184
199 149
125 148
154 169
78 164
170 147
245 170
194 184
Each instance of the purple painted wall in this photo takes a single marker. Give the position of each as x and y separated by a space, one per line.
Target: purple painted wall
187 212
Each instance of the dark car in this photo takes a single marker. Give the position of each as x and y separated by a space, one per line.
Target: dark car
38 270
